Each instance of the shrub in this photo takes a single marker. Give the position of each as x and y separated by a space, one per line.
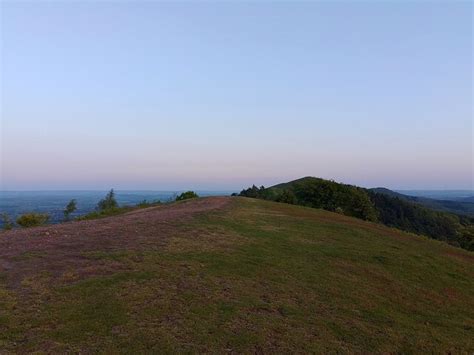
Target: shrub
6 221
187 195
339 210
70 208
32 219
108 202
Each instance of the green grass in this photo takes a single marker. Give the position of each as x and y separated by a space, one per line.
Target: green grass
256 276
106 213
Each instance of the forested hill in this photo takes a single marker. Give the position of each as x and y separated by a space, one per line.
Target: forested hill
463 206
372 205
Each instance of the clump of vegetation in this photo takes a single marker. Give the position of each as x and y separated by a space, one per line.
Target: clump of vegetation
106 207
32 219
108 202
7 223
339 210
187 195
70 208
254 192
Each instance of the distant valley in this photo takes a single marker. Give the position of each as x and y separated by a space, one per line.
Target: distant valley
451 195
454 202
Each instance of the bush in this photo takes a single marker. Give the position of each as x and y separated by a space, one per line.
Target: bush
6 221
187 195
32 219
108 202
339 210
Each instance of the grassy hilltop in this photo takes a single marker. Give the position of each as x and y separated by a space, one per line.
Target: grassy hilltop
232 275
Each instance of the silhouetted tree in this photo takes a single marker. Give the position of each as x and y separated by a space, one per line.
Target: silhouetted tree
108 202
70 208
187 195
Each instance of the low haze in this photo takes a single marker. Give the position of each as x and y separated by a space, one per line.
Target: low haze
207 95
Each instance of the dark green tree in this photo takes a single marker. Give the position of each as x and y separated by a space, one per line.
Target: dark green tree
108 202
287 196
187 195
70 208
254 192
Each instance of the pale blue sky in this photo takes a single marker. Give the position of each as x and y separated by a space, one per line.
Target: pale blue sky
208 95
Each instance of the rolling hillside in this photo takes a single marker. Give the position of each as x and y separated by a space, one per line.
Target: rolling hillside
377 205
232 275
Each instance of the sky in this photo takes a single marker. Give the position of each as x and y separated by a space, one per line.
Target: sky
222 95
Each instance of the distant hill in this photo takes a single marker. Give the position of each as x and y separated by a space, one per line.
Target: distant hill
388 192
450 195
232 275
382 205
463 206
466 199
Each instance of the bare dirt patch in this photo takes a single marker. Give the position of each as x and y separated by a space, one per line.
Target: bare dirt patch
61 250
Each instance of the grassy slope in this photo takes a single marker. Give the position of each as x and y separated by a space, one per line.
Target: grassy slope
255 276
